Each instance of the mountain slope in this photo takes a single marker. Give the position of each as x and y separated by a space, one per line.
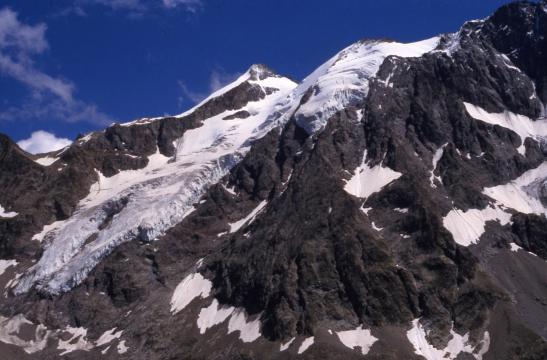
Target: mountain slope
392 205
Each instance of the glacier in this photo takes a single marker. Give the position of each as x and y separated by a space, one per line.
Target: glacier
142 204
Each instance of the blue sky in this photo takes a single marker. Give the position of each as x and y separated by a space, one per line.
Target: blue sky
69 67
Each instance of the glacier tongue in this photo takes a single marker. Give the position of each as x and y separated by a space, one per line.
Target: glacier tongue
144 203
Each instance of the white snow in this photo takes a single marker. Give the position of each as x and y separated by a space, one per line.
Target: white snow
158 196
47 230
367 180
523 193
286 345
191 287
46 160
249 218
344 79
457 344
77 341
122 348
5 214
215 314
377 228
520 124
305 344
515 247
248 331
5 264
212 315
359 337
401 210
229 190
468 226
108 336
436 157
9 330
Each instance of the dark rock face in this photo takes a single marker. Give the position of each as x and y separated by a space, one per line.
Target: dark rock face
531 233
315 259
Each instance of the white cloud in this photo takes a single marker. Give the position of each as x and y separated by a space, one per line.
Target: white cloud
43 142
137 7
217 80
190 5
51 97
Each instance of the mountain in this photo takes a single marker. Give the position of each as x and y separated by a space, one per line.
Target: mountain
392 205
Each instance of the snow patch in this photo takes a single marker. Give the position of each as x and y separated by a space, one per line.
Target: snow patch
523 193
108 336
46 160
523 126
436 157
468 226
377 228
5 264
367 180
9 334
515 247
306 344
6 214
122 348
417 336
359 337
247 219
286 345
248 331
191 287
77 341
212 315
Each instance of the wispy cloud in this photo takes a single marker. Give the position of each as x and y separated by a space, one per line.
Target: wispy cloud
217 80
50 97
43 142
134 8
190 5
